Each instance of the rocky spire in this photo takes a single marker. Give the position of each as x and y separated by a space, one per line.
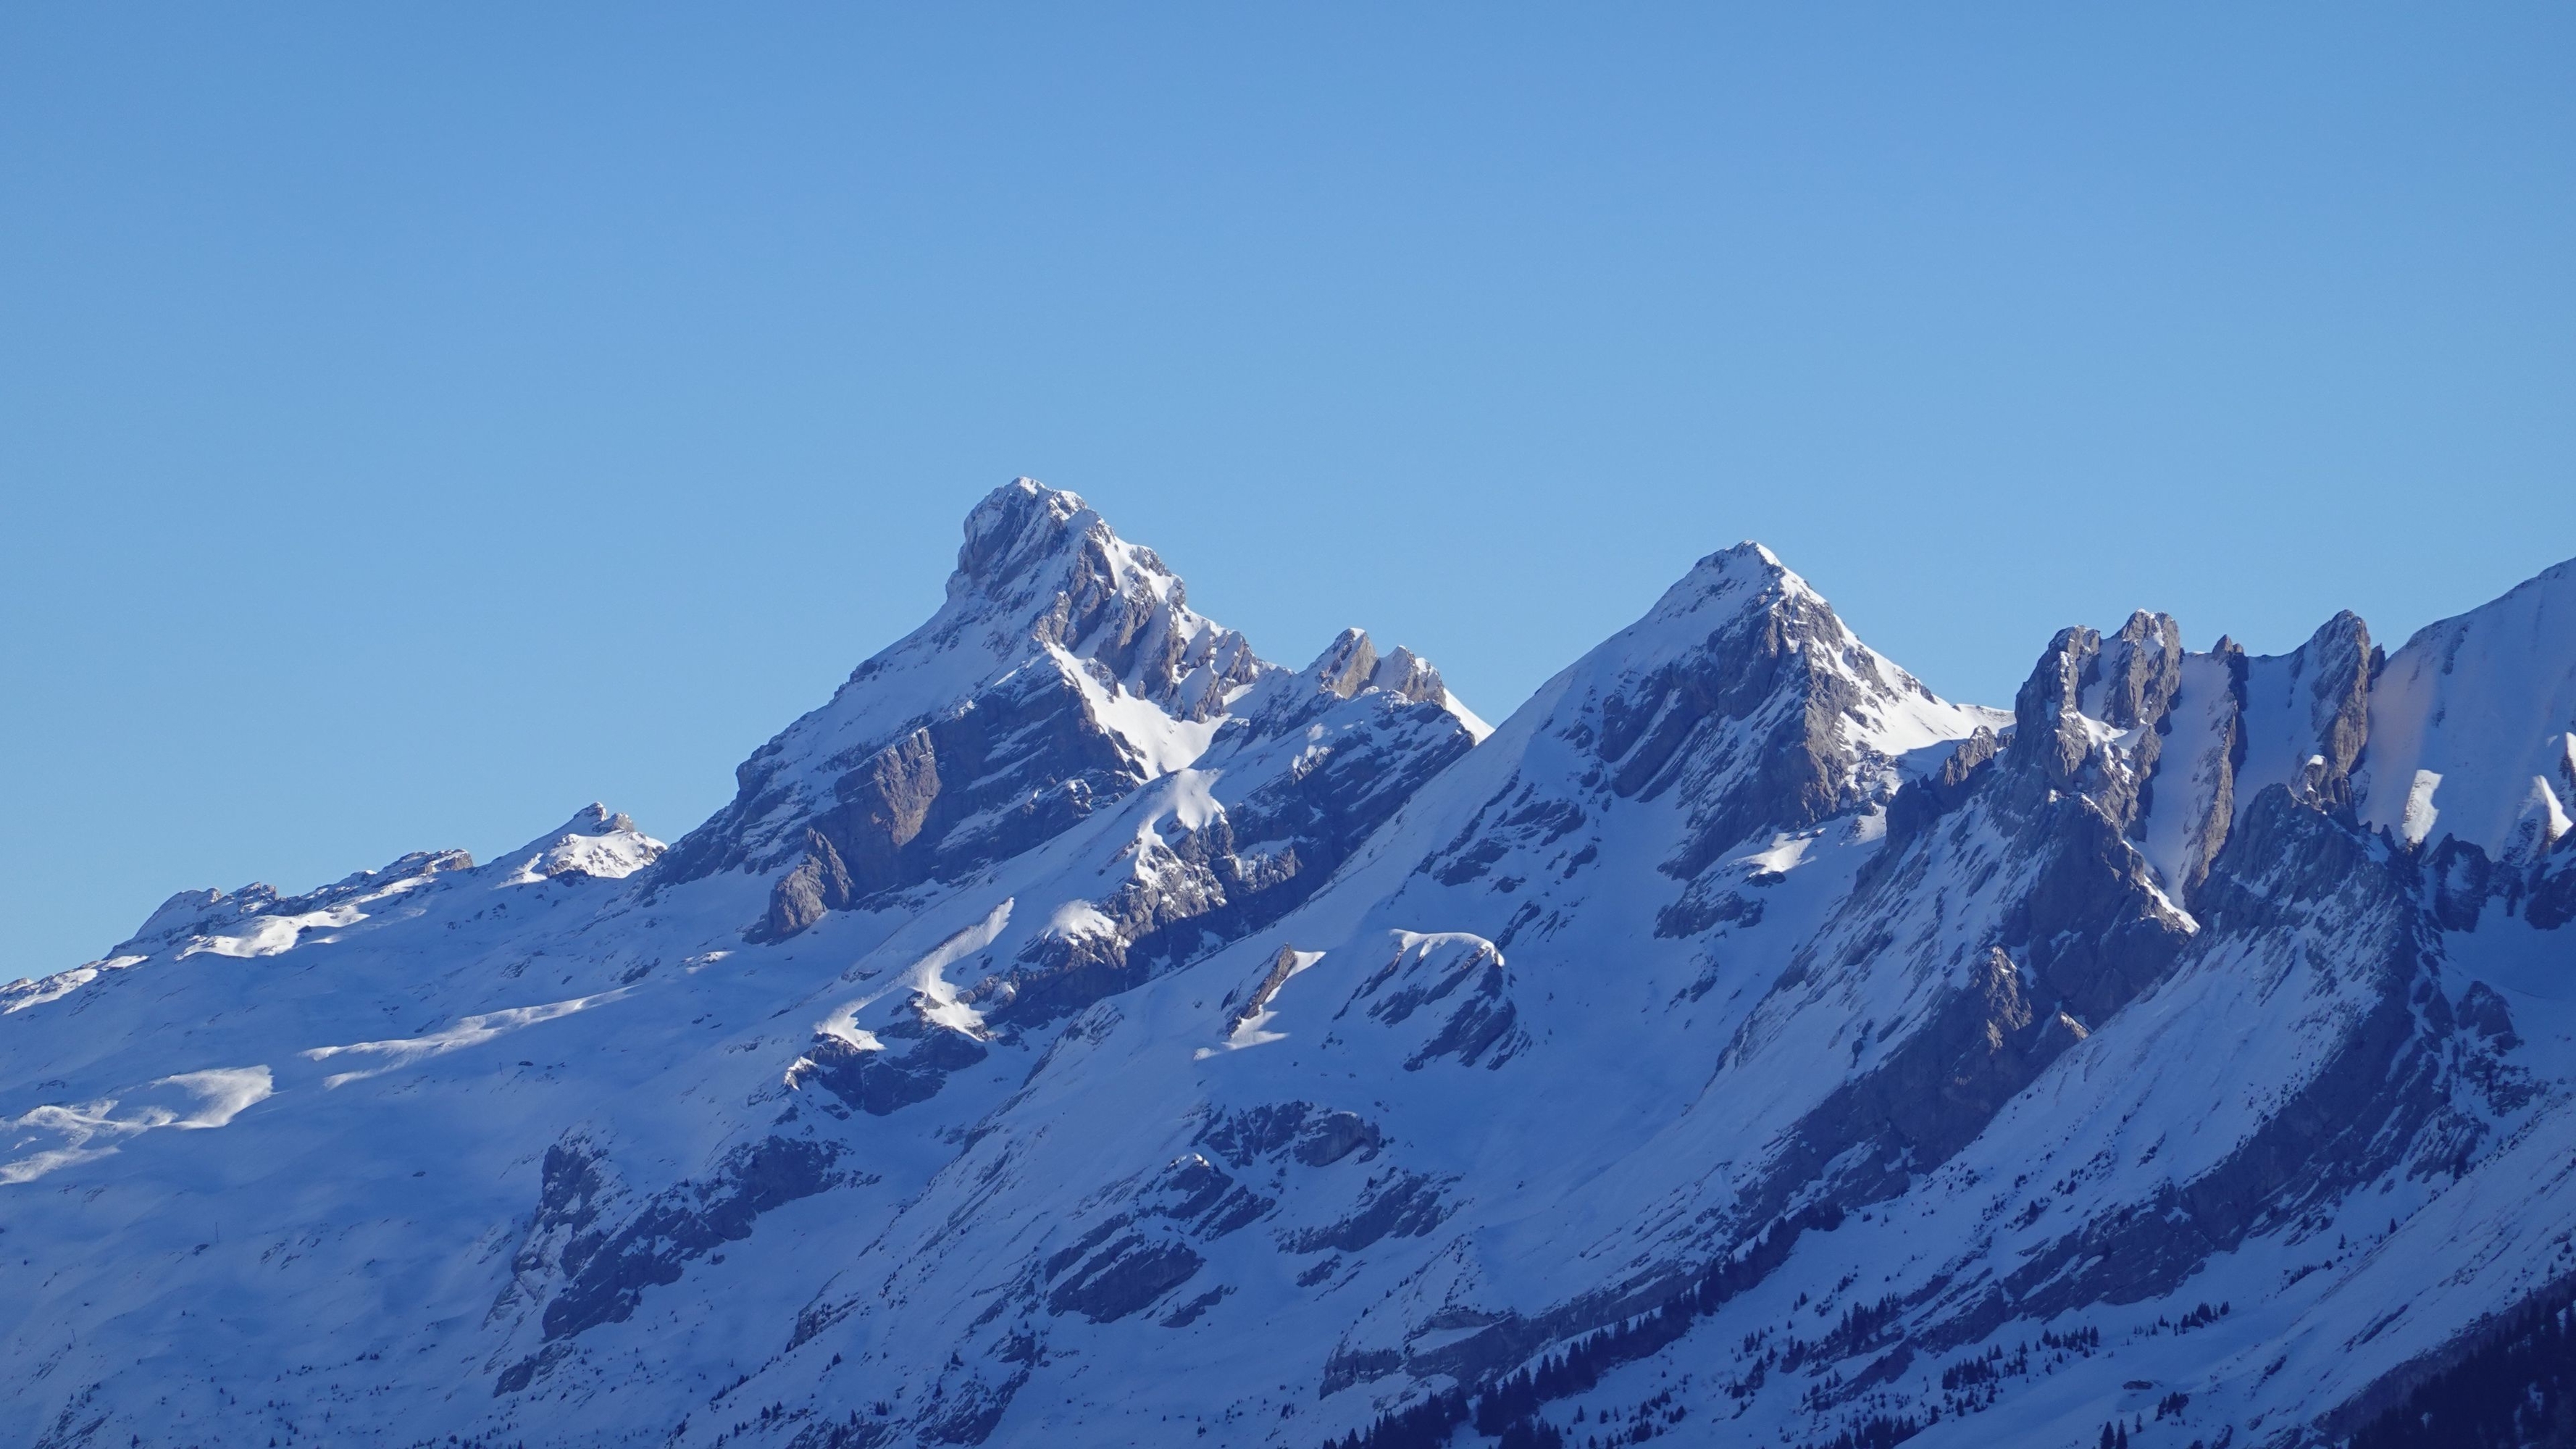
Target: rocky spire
1039 566
2089 717
2048 720
1351 663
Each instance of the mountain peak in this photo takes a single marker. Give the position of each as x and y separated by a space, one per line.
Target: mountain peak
1742 696
1016 530
1039 565
596 843
1731 582
1747 561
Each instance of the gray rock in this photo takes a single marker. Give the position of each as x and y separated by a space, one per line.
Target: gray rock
2552 901
1747 727
2047 735
1124 1277
885 1080
1929 797
2141 668
2459 879
2208 835
1315 1136
1405 1205
606 1265
2361 1115
1261 859
1344 667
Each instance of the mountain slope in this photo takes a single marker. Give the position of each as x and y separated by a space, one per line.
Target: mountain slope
1080 1030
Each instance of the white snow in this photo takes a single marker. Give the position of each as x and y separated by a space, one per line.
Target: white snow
270 935
2188 769
2483 702
2542 815
188 1101
467 1032
2416 822
925 983
23 993
1159 742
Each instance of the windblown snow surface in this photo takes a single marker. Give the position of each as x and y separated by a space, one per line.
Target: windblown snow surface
1081 1031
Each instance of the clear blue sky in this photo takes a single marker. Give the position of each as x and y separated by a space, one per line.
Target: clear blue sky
416 425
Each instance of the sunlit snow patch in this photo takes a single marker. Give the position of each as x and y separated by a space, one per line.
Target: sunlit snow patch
2541 822
468 1031
1080 918
23 993
273 935
2417 823
1155 739
1192 798
62 1134
925 979
1780 857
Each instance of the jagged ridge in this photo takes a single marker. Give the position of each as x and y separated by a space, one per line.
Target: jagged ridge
1081 1030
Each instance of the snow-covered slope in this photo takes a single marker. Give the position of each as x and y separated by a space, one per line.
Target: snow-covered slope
1081 1031
2470 724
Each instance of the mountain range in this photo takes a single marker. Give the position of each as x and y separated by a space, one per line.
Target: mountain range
1081 1030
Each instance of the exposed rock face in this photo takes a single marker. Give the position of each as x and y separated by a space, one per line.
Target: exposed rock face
1016 766
1096 680
605 1260
1318 770
2336 665
2201 777
1463 990
2048 726
1931 1098
2363 1113
1081 1031
2074 929
2141 669
1927 799
2553 894
1051 620
880 1079
1757 726
1038 553
1313 1135
2171 745
2089 715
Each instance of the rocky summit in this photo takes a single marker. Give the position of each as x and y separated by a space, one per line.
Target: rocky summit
1081 1030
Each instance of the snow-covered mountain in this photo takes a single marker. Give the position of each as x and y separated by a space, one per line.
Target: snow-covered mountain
1082 1031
